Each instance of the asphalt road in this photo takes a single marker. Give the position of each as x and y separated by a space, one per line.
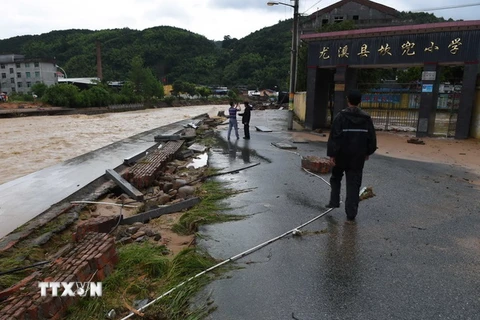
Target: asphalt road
414 252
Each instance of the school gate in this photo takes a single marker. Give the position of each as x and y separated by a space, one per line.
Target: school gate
335 57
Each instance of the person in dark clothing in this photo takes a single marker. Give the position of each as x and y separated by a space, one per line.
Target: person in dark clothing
246 120
352 140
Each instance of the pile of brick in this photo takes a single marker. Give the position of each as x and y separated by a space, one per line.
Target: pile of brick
317 164
144 172
102 224
91 260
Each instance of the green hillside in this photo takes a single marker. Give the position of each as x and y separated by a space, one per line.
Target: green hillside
259 60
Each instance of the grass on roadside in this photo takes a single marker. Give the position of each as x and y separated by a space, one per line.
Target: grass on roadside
210 210
143 272
17 258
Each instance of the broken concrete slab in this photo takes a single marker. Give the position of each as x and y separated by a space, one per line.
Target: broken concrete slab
263 129
161 137
285 146
300 140
197 147
184 154
155 213
124 184
189 134
194 125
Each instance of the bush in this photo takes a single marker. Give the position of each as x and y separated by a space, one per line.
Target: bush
62 95
169 100
39 89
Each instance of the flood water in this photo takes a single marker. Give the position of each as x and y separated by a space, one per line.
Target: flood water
29 144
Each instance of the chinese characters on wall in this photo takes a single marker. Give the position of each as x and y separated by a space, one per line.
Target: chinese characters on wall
406 49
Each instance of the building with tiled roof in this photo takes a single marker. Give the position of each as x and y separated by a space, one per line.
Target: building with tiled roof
363 13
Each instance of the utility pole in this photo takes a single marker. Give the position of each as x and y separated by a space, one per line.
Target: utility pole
293 65
293 58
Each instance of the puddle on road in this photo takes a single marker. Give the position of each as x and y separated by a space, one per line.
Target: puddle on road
199 161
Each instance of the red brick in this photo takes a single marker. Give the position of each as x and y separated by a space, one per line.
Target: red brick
8 292
20 313
114 259
7 308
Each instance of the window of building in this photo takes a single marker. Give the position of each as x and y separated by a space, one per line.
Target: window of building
36 64
20 84
29 84
338 19
17 65
19 74
13 89
355 18
12 80
2 66
324 22
27 65
11 70
4 75
37 74
28 74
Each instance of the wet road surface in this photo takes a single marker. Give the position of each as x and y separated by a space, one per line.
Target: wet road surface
414 252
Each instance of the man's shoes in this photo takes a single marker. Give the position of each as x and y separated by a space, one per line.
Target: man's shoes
350 221
246 138
329 205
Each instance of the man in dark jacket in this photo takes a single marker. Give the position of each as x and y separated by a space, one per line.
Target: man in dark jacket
352 140
246 120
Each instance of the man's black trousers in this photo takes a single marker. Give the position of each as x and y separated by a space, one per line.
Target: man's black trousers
246 129
354 181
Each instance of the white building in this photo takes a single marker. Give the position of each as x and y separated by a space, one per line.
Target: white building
18 74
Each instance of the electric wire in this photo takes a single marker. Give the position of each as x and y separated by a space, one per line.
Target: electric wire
106 203
312 7
231 259
458 6
238 256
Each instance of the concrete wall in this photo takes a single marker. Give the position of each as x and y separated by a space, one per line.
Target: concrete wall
300 105
475 127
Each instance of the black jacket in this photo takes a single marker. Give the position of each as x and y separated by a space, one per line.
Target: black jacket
246 115
352 136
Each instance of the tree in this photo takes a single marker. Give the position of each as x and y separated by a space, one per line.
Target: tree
39 89
204 92
62 95
178 87
143 80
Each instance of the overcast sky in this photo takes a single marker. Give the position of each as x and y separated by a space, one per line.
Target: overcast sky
211 18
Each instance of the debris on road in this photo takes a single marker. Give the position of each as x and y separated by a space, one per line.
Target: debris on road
366 193
317 164
415 141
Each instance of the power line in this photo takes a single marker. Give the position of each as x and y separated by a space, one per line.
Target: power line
421 10
449 7
312 6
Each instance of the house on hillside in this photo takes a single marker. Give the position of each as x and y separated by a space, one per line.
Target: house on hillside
364 13
18 74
